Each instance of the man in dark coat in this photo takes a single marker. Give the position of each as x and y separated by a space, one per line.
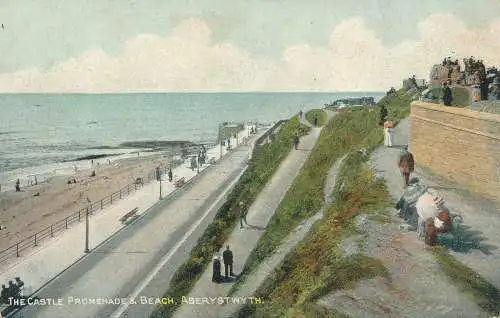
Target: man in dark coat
228 262
447 95
296 141
406 164
216 270
170 175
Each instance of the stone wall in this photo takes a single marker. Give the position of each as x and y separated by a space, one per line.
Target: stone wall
462 145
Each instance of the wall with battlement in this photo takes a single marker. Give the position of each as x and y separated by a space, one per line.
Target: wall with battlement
462 145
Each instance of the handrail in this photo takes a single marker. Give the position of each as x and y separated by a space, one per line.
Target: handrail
78 216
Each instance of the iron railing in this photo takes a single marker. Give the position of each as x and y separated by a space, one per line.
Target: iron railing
79 216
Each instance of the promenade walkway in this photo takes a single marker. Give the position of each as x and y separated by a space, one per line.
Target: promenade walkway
478 243
117 264
243 241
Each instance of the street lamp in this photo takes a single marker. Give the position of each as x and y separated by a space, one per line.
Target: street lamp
159 179
87 250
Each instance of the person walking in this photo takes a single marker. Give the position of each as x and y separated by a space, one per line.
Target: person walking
216 270
406 165
296 141
300 114
388 133
243 214
228 262
447 95
170 175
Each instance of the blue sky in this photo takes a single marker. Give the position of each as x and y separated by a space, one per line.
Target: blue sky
63 45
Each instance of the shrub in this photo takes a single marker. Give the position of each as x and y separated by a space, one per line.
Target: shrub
318 114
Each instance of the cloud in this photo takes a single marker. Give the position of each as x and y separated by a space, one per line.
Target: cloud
187 60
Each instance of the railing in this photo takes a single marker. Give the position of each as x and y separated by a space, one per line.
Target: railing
261 140
79 216
61 225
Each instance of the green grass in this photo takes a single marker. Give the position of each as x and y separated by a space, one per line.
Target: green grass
461 96
485 294
262 167
317 266
318 114
350 130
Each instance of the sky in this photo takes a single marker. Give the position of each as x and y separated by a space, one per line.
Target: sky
99 46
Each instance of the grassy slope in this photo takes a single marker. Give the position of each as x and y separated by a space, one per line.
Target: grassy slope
350 130
317 268
319 114
262 167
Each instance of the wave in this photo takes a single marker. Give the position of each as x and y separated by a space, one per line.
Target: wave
155 144
94 156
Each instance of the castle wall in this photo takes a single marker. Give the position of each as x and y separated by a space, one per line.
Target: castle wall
459 144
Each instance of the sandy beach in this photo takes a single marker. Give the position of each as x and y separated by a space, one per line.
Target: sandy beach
23 214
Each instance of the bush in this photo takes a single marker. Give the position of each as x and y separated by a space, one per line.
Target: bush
318 114
261 168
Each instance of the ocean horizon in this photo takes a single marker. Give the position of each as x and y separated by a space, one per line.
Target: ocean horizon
40 130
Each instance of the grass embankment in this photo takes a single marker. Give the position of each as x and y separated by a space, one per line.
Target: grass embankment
350 130
317 114
317 266
485 294
262 167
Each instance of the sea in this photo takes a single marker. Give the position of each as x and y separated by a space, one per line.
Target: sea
41 133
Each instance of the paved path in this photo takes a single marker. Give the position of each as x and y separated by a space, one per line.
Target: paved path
119 265
478 244
255 279
242 242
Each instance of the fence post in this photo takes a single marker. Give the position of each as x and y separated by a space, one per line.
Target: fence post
17 249
111 198
51 231
128 189
66 223
135 186
35 239
101 204
79 218
120 194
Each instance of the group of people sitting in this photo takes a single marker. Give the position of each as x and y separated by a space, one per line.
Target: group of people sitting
13 290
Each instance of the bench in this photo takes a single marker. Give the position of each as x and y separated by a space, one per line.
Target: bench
127 216
179 183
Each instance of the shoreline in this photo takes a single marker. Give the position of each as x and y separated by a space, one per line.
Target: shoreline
25 213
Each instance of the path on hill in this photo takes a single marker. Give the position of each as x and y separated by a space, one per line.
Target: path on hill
418 287
121 264
205 287
243 241
255 279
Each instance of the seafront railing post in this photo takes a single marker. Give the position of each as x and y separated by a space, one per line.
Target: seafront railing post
35 239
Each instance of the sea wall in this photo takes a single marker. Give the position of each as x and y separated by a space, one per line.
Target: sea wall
462 145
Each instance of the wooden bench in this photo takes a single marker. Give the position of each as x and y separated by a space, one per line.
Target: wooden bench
131 214
179 183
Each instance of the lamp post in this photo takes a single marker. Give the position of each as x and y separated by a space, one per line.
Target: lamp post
198 162
159 180
87 250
